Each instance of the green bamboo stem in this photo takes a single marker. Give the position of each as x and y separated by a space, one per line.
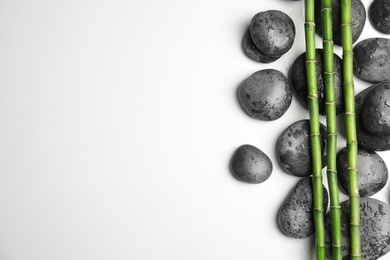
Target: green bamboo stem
330 102
315 136
350 122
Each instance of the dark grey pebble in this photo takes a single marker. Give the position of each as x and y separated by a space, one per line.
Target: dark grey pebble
376 111
372 172
299 81
379 14
265 95
252 52
358 19
371 60
375 229
293 148
273 32
295 216
249 164
366 139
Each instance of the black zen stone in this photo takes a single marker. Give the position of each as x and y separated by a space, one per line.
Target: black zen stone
252 52
376 111
358 19
375 229
295 216
299 81
379 14
372 172
273 32
366 139
293 148
265 95
249 164
371 60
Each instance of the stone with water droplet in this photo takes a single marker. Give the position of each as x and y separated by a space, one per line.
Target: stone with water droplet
251 165
265 95
273 32
372 171
376 112
379 14
371 60
293 148
295 216
358 18
375 229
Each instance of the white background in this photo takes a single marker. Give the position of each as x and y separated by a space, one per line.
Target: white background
118 120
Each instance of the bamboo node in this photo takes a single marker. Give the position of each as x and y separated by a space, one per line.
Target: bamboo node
346 24
312 96
329 73
348 83
335 207
353 169
347 52
330 103
308 61
349 113
326 9
311 23
331 134
320 245
318 209
315 134
327 41
331 170
356 254
337 245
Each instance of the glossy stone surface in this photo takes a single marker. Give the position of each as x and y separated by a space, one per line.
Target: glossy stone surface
375 229
295 216
293 148
299 81
371 60
379 14
273 32
265 95
372 174
358 19
251 165
252 52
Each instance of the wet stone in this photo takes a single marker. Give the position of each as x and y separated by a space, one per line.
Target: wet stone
379 14
375 229
372 172
295 216
358 18
299 81
371 60
265 95
252 52
273 32
249 164
293 148
367 139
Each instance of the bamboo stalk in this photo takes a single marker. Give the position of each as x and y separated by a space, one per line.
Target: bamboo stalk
330 102
350 121
315 136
